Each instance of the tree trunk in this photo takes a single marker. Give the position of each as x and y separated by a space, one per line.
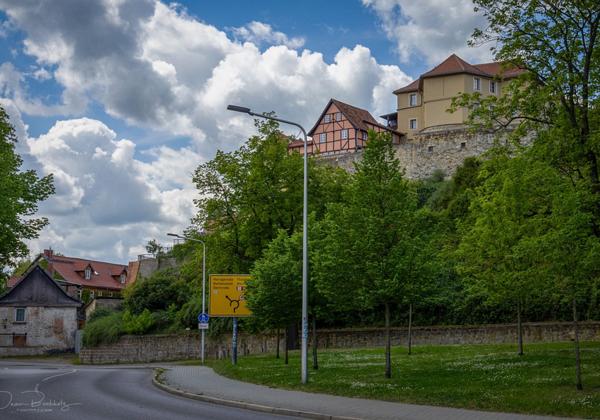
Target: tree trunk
286 346
315 343
388 356
577 355
277 346
409 329
519 329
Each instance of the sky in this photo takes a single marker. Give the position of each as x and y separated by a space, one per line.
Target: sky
121 100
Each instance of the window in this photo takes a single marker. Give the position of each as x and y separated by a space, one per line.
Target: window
338 116
345 133
92 294
412 99
88 273
323 137
122 278
412 124
463 145
492 86
476 83
364 135
19 314
430 149
327 118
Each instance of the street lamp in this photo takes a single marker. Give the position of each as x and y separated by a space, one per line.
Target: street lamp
203 285
304 350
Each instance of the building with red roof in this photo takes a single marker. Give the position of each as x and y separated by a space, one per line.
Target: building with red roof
341 128
76 275
423 104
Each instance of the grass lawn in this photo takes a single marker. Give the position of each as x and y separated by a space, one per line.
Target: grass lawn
487 377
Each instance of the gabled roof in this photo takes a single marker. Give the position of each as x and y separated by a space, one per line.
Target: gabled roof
412 87
453 65
497 69
104 275
356 116
37 288
456 65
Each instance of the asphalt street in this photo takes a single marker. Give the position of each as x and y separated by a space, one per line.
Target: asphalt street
74 392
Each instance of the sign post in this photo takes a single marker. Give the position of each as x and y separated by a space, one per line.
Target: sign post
228 300
234 340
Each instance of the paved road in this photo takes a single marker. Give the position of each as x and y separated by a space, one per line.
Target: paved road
36 391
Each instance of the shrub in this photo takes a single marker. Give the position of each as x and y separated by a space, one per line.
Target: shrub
103 330
157 292
137 324
100 313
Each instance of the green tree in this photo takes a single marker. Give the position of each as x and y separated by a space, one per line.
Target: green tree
556 99
20 193
570 253
249 195
369 256
509 213
275 290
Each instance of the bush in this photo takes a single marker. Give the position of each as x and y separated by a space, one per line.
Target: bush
157 292
100 313
138 324
103 330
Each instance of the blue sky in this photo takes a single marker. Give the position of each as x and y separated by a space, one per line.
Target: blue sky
122 100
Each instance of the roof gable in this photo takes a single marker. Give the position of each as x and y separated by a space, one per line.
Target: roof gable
37 288
356 116
104 275
454 65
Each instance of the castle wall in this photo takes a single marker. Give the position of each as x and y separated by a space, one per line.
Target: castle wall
425 153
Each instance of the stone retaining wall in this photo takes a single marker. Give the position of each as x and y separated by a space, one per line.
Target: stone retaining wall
139 349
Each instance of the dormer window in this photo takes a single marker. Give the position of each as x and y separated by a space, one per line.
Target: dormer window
122 278
88 273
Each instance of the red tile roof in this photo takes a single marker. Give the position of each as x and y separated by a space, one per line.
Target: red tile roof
456 65
412 87
104 275
453 65
358 117
497 69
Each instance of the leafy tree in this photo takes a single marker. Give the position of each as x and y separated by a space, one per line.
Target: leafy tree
275 290
157 292
20 193
509 213
571 254
154 248
249 195
556 99
369 256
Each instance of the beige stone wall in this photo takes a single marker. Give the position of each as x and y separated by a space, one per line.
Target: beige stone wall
445 150
135 349
425 153
47 329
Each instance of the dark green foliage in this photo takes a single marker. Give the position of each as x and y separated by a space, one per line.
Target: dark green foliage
162 289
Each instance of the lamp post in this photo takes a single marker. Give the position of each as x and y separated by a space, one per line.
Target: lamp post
304 349
203 285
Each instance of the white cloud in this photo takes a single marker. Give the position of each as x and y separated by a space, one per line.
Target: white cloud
431 28
107 203
156 67
262 33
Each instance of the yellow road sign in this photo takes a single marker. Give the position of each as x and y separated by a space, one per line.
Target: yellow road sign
227 295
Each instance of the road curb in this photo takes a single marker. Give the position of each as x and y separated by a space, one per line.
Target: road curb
245 405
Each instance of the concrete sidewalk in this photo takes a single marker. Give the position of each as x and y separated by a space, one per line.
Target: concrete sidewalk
202 383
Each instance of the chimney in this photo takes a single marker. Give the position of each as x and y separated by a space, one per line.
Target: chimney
48 253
